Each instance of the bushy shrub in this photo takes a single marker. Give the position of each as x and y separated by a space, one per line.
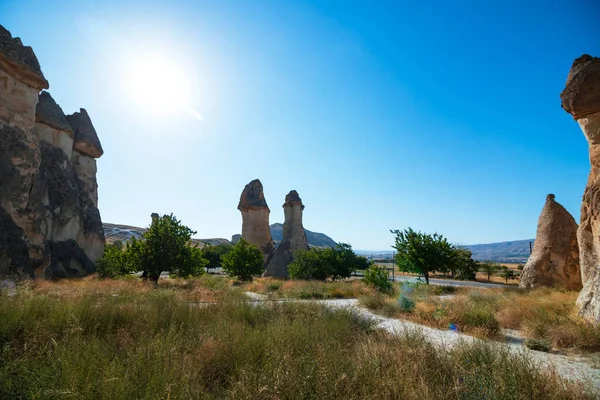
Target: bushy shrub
538 345
213 254
378 278
114 261
326 263
243 261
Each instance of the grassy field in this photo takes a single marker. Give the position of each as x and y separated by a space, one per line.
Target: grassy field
126 340
277 289
547 314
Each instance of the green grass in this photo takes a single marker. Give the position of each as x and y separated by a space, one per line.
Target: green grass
152 344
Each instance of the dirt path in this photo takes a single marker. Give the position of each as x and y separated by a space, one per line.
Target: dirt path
574 368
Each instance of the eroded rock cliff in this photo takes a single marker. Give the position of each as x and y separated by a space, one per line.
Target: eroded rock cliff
49 221
581 98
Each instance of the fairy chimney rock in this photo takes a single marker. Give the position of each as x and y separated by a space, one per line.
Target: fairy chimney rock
555 257
581 99
51 125
86 140
294 237
50 225
255 218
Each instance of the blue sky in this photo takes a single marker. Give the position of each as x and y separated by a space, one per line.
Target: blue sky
440 115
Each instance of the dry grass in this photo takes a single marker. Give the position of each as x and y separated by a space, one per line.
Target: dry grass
76 339
539 314
202 289
298 289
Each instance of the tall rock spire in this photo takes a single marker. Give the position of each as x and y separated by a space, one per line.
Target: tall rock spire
555 257
255 218
581 99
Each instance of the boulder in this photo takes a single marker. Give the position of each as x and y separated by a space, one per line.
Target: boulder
294 237
555 257
581 98
255 218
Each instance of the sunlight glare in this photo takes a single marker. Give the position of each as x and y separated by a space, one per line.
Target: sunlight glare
160 85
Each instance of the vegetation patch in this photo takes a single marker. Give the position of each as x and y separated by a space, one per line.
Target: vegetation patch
81 341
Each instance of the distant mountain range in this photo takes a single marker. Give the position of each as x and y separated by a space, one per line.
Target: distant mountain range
123 233
516 251
315 239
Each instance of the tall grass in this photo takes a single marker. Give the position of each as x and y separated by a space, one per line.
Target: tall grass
149 344
545 314
299 289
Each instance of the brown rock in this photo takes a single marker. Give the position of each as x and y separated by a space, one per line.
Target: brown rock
555 257
294 237
50 225
581 98
255 218
20 61
86 139
51 124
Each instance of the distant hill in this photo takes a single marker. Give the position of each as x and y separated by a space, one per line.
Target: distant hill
516 251
315 239
123 233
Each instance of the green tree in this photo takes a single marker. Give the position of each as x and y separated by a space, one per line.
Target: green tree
164 247
507 273
243 261
326 263
489 269
311 264
463 265
113 262
422 253
213 254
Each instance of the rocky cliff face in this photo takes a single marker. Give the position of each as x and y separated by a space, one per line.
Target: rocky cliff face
294 237
581 98
49 221
255 218
555 257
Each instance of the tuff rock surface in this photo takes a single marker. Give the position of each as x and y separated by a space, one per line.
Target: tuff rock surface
294 237
255 218
49 221
581 98
555 257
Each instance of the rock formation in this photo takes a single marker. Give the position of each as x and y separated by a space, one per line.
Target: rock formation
49 221
255 218
581 98
555 257
294 237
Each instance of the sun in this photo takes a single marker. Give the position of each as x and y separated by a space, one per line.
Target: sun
159 84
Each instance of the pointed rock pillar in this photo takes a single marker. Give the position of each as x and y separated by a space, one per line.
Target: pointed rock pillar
581 99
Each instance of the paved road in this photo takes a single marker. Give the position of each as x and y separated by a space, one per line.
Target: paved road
450 282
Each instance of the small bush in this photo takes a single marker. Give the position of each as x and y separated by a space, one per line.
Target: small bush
440 290
406 304
378 278
538 344
480 317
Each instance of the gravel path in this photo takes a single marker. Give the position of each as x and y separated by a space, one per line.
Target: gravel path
574 368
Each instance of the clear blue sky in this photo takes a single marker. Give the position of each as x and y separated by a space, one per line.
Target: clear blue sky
440 115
